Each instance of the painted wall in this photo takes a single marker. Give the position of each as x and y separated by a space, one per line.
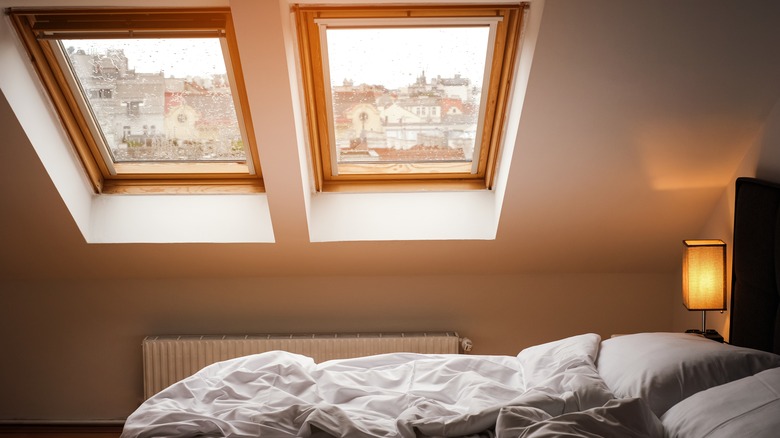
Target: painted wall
761 161
72 349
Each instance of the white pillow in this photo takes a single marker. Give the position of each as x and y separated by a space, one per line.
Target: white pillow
665 368
744 407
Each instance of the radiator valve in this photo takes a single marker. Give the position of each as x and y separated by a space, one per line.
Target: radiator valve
466 344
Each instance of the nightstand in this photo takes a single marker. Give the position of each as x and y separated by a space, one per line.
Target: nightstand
709 334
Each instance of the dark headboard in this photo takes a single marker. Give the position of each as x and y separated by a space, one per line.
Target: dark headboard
755 292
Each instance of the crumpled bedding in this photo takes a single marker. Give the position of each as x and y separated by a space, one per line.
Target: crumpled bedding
549 387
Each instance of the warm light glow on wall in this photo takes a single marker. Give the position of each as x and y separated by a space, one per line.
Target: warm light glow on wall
704 275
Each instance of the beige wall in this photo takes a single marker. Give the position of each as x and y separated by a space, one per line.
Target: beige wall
761 161
71 349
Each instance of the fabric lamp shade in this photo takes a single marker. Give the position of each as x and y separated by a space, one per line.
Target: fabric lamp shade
704 275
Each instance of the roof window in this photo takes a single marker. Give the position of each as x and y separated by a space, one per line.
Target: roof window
406 96
152 100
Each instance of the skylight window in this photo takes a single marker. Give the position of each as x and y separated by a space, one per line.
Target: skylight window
406 95
152 100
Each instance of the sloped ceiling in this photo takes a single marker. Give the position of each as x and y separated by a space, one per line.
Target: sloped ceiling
636 117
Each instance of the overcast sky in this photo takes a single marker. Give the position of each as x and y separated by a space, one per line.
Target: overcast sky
396 57
178 57
393 57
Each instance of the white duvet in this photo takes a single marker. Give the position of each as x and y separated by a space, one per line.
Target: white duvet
547 390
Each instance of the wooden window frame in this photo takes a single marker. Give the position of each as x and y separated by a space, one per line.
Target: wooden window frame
504 53
37 27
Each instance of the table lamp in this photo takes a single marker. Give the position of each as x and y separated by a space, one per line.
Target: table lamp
704 279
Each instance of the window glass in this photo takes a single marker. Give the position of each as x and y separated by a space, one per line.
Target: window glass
159 100
405 99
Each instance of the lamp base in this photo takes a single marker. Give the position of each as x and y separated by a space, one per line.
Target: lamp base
709 334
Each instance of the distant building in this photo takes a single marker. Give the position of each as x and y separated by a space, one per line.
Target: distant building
456 87
206 116
428 109
424 120
145 116
126 103
396 114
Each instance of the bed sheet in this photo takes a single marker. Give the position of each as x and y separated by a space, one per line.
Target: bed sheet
280 394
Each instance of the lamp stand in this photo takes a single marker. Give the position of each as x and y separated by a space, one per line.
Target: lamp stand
704 321
707 333
703 324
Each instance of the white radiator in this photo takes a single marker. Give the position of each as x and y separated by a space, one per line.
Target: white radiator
168 359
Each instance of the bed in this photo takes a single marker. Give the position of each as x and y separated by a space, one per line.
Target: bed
639 385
